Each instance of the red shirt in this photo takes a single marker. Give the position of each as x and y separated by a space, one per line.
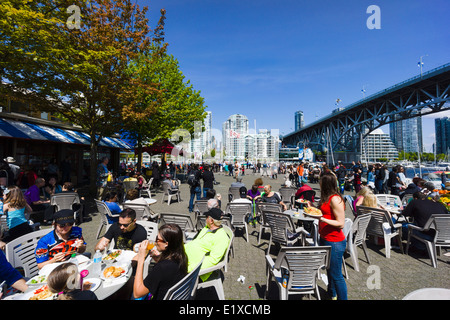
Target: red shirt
327 232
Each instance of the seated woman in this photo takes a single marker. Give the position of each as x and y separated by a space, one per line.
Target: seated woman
359 199
111 202
14 208
52 187
171 264
272 197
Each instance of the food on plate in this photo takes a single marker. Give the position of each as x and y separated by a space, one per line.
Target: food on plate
113 272
38 279
112 255
302 200
312 211
41 294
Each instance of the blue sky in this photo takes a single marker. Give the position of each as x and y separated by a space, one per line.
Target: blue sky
267 59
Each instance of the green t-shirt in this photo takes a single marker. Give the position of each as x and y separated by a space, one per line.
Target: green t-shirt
209 244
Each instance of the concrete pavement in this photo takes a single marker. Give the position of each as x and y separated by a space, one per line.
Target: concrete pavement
383 279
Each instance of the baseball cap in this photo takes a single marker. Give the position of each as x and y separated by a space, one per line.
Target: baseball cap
64 216
214 213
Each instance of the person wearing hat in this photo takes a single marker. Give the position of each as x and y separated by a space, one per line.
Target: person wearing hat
14 168
211 242
62 241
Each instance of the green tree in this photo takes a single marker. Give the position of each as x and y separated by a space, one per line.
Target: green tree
80 75
175 105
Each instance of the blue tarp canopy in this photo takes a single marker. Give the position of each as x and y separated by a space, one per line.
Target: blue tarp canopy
25 130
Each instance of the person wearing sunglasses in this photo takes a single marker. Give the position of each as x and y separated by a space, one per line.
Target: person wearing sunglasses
60 243
125 232
171 264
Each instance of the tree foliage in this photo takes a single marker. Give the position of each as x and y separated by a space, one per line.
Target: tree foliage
81 75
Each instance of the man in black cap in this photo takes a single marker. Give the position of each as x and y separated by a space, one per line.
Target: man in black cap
62 241
211 242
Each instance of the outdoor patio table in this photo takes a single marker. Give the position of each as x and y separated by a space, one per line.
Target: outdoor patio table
429 294
298 215
103 288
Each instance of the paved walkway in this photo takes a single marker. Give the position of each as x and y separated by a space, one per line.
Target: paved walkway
384 279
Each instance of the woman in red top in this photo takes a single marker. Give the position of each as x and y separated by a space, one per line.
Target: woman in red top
330 229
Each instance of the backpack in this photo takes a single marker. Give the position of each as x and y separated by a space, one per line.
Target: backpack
192 179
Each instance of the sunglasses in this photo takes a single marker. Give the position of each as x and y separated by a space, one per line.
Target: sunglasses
64 225
125 225
159 240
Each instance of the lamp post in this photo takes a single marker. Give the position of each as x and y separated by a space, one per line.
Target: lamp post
420 64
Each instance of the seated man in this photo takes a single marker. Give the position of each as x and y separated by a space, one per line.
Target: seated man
173 187
212 242
111 203
421 208
61 242
133 197
33 198
126 232
243 198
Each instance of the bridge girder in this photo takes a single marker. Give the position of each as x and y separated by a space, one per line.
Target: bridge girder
343 130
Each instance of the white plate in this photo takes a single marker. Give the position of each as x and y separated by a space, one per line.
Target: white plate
38 277
111 260
96 282
123 274
27 295
49 267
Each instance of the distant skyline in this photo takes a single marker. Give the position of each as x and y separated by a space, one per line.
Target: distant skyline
268 59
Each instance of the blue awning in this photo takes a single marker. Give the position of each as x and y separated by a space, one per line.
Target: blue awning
25 130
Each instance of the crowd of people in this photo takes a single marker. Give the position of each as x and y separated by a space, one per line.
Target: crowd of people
173 258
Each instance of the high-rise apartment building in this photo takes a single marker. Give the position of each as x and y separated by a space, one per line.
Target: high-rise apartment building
202 144
234 130
299 120
407 134
442 131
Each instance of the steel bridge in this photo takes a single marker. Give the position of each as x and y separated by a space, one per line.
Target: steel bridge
343 130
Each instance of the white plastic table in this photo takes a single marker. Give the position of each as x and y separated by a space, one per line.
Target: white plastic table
429 294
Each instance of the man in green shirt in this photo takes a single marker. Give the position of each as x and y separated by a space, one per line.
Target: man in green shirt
211 242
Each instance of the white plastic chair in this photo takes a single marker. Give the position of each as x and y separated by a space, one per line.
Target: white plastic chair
104 211
184 221
349 200
302 265
186 288
438 222
381 225
167 193
265 206
151 228
20 252
143 211
215 280
239 212
287 195
384 199
280 224
65 200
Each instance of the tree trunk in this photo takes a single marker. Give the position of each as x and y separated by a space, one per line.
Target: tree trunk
139 162
93 166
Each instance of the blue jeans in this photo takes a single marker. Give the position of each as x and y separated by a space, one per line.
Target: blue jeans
194 191
204 192
336 282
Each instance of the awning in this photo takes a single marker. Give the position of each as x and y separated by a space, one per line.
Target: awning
25 130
